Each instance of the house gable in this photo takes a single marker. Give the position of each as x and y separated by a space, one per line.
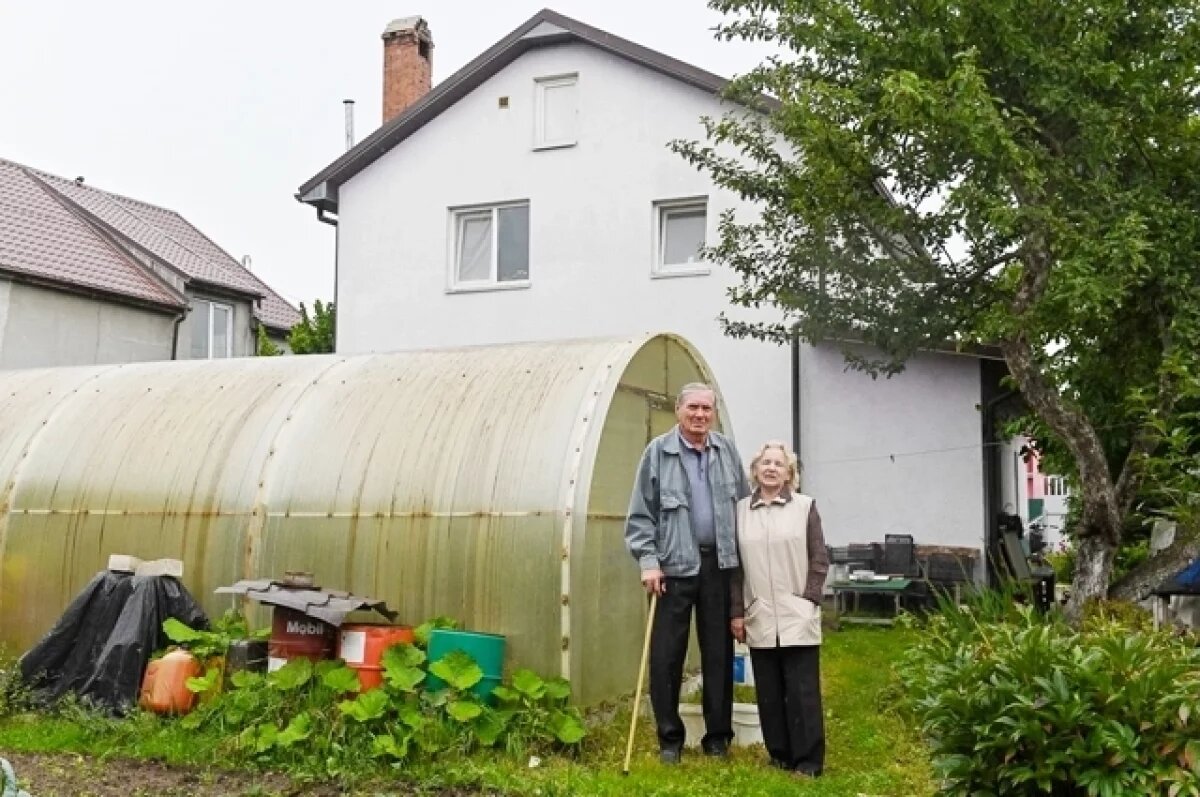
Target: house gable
546 28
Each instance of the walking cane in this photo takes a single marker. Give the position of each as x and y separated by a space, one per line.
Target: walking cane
637 695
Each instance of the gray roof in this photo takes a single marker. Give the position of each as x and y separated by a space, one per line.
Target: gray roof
69 234
329 605
543 29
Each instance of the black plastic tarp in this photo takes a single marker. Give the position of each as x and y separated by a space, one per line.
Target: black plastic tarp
101 645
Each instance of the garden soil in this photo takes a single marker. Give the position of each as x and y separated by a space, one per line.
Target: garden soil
81 776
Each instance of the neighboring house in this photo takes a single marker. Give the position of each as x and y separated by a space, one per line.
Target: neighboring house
532 196
87 276
1041 500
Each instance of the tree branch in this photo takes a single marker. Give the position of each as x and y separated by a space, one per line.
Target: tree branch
1137 583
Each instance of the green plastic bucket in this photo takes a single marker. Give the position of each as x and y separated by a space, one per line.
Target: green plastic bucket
486 649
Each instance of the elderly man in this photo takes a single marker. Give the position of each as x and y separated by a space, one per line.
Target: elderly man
680 529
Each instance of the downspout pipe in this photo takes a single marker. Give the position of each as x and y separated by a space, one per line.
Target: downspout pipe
991 479
337 238
175 332
795 347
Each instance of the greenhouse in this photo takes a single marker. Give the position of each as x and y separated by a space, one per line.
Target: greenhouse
488 484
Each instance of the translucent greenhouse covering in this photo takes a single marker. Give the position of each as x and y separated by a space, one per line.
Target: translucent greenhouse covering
488 484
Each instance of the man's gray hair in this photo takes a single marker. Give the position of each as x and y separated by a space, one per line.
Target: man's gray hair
692 387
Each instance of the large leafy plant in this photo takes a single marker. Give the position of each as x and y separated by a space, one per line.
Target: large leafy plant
214 642
1027 705
315 718
536 711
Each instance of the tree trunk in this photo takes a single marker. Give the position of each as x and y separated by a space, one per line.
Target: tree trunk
1102 513
1094 556
1137 583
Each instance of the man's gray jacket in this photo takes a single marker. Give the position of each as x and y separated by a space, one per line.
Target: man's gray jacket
658 529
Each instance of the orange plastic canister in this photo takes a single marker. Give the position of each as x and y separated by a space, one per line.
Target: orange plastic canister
164 689
361 646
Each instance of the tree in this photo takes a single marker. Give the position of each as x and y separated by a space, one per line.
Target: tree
1017 172
315 334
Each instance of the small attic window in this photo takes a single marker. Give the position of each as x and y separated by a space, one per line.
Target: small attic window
556 112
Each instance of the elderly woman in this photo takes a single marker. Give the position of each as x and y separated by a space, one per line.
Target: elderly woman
776 608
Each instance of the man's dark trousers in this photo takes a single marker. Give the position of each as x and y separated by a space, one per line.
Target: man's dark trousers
708 594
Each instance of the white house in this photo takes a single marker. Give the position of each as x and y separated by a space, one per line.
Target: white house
532 196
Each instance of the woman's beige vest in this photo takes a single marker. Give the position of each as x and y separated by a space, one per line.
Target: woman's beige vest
773 546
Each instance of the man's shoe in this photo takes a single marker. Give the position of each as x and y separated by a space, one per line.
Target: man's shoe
717 749
669 755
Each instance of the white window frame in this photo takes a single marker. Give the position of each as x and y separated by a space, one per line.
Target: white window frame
540 142
663 210
457 214
211 309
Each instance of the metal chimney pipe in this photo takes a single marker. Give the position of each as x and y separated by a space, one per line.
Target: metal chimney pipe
349 123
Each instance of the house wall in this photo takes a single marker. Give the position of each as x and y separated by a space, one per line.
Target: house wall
44 327
591 223
592 227
893 456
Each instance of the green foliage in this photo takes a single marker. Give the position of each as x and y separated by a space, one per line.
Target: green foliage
291 676
1099 616
873 750
1028 705
458 670
1063 562
402 667
207 682
366 707
266 717
340 680
1173 476
204 645
314 334
421 633
536 709
15 694
962 172
265 346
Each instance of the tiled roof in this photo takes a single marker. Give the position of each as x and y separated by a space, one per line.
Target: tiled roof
42 238
162 233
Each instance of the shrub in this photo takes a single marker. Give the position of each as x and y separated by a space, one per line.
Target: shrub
1099 614
1031 706
1063 562
15 695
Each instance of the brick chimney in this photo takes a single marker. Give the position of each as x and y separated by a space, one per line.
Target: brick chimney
407 64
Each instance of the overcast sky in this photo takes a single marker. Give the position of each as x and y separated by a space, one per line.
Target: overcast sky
221 109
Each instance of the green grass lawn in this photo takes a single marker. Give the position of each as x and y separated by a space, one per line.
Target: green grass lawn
871 750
